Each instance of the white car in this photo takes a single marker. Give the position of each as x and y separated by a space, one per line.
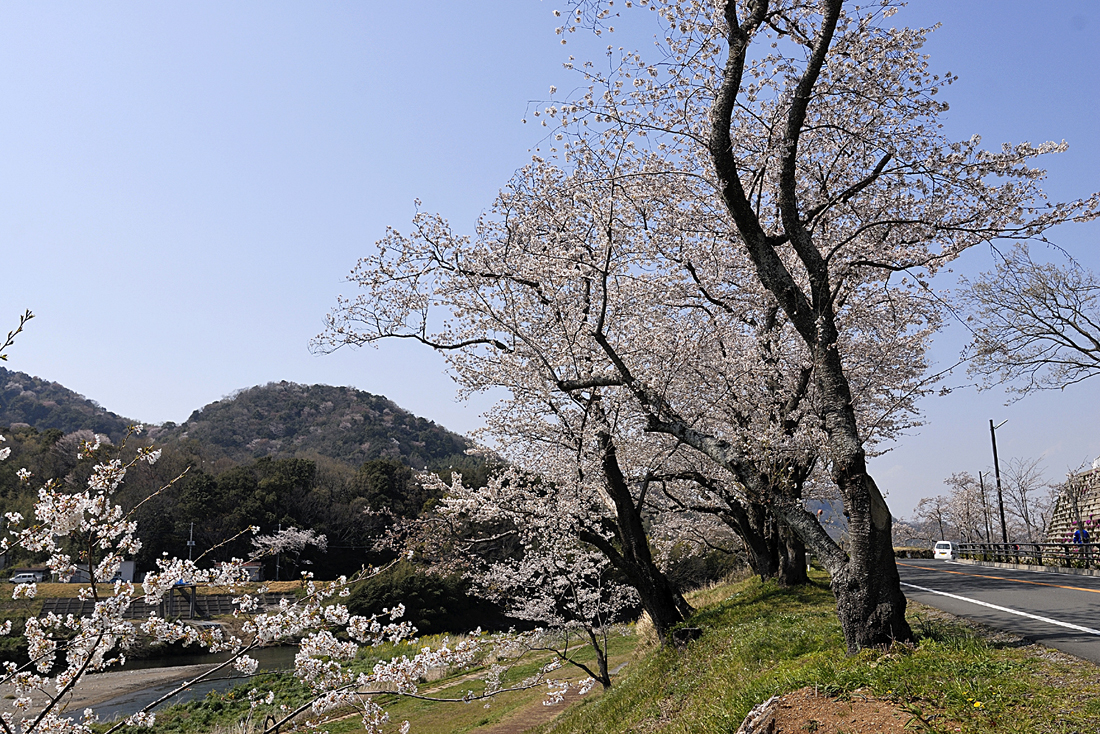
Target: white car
946 550
25 578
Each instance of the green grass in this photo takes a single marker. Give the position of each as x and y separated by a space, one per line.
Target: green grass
223 712
14 646
760 640
455 718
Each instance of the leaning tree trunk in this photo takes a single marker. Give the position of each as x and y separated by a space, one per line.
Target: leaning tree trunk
663 602
603 676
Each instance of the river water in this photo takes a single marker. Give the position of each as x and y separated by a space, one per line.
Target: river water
269 658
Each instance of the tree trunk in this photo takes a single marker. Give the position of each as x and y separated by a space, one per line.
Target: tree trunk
665 605
869 601
773 549
792 557
792 551
751 523
866 584
604 676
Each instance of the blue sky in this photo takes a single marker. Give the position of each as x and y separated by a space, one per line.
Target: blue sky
183 188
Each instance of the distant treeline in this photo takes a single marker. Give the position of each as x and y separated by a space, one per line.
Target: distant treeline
220 499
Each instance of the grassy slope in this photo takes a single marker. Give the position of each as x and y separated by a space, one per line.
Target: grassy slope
760 640
455 718
221 712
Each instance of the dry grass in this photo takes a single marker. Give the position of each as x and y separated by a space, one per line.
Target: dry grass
72 591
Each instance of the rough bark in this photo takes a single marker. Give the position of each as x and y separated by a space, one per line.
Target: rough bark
631 554
752 524
791 549
774 551
791 557
870 604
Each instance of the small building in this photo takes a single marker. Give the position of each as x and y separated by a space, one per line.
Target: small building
255 570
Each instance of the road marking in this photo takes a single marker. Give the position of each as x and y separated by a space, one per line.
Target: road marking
1017 612
1001 578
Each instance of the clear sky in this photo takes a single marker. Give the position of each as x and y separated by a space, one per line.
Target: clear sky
183 188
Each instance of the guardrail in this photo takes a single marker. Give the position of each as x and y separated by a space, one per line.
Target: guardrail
1064 555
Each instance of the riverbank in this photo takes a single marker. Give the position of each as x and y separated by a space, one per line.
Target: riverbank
100 688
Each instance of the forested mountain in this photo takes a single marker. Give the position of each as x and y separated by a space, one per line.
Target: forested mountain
281 419
285 419
280 455
32 401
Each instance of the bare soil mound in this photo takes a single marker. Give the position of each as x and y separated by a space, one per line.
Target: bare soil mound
807 710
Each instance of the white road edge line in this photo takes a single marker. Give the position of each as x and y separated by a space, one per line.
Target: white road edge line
1017 612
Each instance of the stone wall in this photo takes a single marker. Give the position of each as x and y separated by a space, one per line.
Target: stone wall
1077 506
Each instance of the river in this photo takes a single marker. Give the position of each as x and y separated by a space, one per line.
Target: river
269 658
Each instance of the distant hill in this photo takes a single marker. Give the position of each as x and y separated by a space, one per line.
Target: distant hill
281 419
286 419
32 401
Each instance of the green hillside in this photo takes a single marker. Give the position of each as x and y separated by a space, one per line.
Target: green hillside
32 401
286 419
308 456
758 640
279 420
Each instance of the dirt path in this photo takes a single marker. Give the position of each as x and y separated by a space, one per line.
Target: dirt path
533 714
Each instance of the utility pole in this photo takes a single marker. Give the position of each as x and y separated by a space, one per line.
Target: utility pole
191 541
278 555
985 510
997 472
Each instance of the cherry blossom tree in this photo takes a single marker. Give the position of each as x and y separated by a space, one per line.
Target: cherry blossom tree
1028 497
721 379
772 158
598 467
967 510
564 585
86 527
932 513
963 512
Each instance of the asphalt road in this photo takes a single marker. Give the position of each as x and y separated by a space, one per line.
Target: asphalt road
1058 610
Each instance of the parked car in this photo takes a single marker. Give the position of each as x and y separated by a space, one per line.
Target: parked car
946 550
25 578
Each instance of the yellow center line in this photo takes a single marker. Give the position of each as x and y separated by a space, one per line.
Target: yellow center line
1001 578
